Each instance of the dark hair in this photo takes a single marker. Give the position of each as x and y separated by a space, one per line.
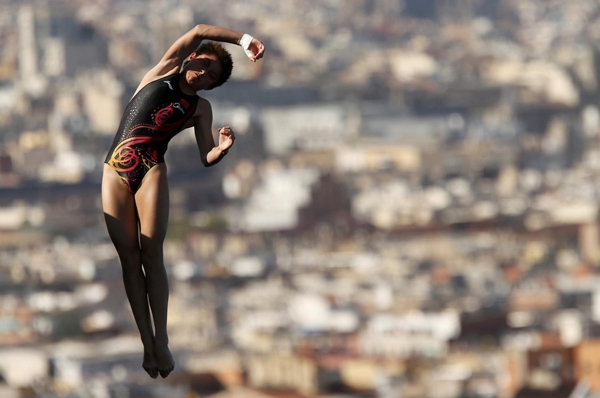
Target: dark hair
216 49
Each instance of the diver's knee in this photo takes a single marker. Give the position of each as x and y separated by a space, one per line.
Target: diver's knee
152 253
130 257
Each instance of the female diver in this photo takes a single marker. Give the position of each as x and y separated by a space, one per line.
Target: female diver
135 195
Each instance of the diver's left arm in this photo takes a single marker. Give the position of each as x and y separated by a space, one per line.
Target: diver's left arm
211 154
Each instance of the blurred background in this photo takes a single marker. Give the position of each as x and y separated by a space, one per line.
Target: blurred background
410 209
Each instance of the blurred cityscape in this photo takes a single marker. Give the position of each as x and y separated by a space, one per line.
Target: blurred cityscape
410 209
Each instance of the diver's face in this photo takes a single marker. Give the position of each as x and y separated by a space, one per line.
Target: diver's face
202 71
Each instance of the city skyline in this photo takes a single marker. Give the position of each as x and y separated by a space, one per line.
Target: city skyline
410 209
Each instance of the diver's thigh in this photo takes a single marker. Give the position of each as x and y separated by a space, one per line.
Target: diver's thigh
152 201
119 209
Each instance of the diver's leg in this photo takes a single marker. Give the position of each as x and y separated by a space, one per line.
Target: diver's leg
152 201
122 223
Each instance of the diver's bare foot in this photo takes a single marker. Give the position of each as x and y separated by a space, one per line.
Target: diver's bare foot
149 364
164 359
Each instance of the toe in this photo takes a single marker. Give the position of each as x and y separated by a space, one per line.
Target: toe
152 372
165 372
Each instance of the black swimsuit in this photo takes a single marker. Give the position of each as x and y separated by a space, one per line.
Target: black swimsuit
154 115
